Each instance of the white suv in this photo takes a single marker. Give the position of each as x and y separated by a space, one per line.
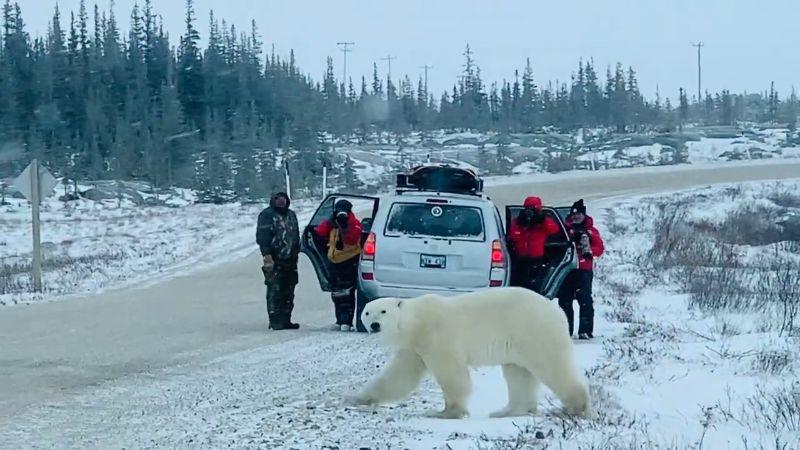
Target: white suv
438 233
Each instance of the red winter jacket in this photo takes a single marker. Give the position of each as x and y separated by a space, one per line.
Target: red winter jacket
352 234
595 241
529 241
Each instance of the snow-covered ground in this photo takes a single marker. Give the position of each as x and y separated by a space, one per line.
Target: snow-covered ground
667 371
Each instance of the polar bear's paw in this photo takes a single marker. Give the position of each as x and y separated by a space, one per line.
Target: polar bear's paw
448 413
514 411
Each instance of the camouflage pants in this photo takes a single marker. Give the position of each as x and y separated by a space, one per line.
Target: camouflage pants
280 296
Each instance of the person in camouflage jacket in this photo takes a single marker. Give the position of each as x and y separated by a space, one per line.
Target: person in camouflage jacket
278 238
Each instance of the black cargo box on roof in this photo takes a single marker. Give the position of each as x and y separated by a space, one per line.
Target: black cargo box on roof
440 179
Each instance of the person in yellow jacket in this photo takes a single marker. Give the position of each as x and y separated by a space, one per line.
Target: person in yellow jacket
343 232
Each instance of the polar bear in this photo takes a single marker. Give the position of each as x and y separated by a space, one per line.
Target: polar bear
446 335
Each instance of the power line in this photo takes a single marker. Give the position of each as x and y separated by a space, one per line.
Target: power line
389 58
345 46
699 45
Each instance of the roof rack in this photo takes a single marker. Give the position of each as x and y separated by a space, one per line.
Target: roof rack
440 178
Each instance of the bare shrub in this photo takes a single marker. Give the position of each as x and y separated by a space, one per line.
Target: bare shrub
652 331
613 223
623 309
778 288
10 280
14 278
725 328
777 409
633 354
751 225
772 361
715 288
785 199
792 246
669 235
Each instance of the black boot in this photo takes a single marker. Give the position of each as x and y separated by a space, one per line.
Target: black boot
277 322
291 326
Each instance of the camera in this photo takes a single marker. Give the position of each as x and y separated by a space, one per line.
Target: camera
584 245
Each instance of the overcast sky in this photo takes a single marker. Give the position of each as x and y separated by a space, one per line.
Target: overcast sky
747 43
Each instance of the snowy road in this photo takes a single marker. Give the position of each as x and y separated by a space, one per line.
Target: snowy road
56 358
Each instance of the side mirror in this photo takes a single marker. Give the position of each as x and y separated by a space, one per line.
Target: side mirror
366 225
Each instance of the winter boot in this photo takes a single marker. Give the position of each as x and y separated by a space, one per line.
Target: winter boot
584 336
277 322
277 326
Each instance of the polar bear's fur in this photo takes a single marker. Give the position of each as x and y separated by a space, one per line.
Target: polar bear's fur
513 327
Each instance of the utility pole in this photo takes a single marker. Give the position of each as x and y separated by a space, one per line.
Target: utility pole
389 58
699 45
345 46
426 67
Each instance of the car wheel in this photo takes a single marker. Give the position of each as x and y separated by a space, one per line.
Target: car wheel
361 301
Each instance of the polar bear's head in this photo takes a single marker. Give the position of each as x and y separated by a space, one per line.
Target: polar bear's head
383 315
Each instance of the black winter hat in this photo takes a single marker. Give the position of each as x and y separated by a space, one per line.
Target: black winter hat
342 206
578 207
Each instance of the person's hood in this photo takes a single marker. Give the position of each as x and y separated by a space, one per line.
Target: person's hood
343 206
533 202
280 194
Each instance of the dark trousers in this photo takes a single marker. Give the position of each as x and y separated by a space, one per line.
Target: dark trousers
280 296
343 282
528 273
578 286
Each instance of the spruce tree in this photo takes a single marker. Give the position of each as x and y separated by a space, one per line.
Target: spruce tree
191 86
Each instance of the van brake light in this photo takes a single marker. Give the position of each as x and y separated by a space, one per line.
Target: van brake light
369 248
498 257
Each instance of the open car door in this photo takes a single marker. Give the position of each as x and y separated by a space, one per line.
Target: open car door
559 250
315 247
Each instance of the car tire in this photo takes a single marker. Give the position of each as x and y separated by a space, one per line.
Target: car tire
361 301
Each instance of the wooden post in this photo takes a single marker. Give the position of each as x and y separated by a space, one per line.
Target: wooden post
37 244
324 180
288 183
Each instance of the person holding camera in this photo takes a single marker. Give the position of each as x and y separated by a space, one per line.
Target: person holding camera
578 284
527 235
343 231
278 238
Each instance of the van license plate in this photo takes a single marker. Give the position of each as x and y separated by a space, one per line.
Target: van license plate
432 261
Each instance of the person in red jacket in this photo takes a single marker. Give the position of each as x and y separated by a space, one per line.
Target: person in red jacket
578 284
527 235
343 234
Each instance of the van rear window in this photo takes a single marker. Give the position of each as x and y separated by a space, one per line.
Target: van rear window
443 221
